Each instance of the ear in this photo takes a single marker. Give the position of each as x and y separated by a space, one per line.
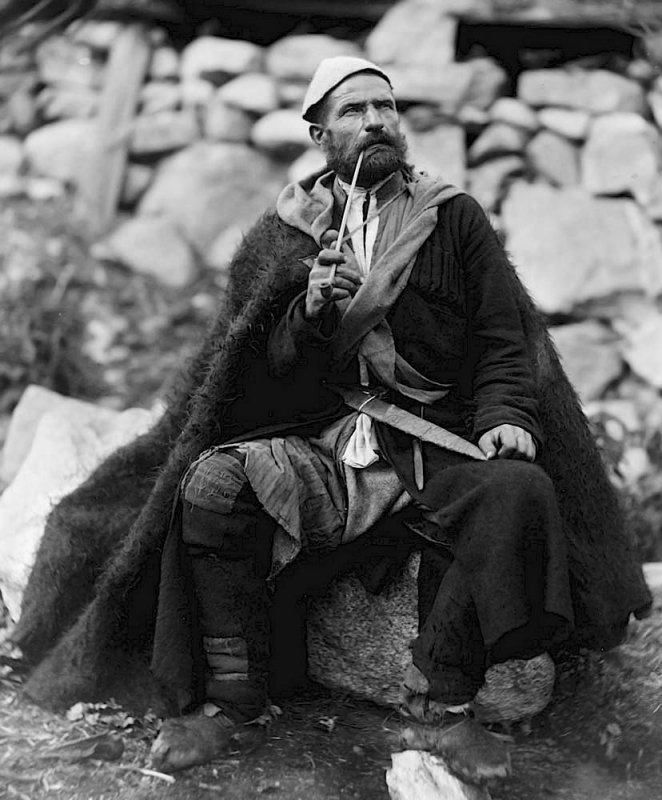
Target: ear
316 133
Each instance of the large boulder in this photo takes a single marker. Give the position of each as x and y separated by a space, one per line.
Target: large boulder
209 186
439 151
591 356
643 352
163 132
217 59
623 153
150 246
415 33
60 60
555 158
488 182
65 150
295 58
596 91
573 123
59 441
253 92
11 155
498 139
282 133
225 123
570 247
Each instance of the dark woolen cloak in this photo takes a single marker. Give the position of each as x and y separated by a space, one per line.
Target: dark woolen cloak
92 600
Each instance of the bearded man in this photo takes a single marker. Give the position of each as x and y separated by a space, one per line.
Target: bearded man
363 396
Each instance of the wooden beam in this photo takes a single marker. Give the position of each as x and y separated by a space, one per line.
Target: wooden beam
101 184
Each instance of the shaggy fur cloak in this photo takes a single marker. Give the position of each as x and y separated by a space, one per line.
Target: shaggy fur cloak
89 611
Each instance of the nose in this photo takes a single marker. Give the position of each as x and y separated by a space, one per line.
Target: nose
373 119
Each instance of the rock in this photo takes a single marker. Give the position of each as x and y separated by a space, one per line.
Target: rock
653 204
622 154
514 112
62 61
223 123
488 181
196 92
158 96
21 108
11 155
580 247
554 158
58 102
282 133
163 132
653 575
291 94
164 65
216 59
150 246
54 444
309 162
596 91
136 180
95 34
643 352
569 122
474 83
295 58
417 775
498 139
64 150
414 33
253 92
590 355
210 186
439 152
370 657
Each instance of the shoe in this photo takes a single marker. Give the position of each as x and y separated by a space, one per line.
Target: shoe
416 703
204 736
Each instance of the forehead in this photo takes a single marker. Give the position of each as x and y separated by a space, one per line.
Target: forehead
364 87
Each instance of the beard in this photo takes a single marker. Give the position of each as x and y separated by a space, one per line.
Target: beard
383 154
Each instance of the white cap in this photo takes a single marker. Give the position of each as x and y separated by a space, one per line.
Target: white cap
330 73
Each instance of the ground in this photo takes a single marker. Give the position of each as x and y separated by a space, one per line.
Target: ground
100 332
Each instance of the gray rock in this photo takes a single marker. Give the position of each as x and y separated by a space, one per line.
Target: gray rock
623 153
291 93
439 152
95 34
217 59
282 133
64 150
163 132
554 158
474 83
210 186
569 122
514 112
580 247
21 110
295 58
498 139
489 181
591 356
368 658
11 155
136 180
414 33
150 246
159 95
643 352
419 775
62 61
196 92
164 64
59 102
253 92
223 123
653 204
595 91
310 161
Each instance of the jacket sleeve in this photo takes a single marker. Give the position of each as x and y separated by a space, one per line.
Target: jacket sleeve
296 343
503 384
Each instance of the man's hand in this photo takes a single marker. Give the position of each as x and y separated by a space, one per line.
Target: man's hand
345 282
508 441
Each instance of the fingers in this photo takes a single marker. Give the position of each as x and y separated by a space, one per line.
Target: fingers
508 441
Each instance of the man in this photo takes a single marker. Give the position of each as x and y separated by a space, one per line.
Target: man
414 308
275 467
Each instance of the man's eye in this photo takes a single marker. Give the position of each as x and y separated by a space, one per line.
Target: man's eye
351 110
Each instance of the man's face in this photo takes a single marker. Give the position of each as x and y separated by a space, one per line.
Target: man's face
360 115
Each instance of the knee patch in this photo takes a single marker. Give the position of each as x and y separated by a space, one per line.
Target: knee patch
215 482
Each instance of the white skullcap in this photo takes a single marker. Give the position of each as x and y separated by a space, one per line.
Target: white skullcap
330 73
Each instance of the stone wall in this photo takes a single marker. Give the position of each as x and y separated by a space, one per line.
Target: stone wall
567 161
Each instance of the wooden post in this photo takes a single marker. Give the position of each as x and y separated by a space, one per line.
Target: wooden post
101 184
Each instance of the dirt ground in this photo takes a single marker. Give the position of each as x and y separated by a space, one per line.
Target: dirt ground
601 739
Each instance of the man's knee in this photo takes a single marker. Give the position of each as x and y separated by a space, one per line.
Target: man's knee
520 479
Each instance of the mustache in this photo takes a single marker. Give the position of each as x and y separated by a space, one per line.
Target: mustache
379 138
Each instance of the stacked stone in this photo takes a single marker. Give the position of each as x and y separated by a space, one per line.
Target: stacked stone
567 162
